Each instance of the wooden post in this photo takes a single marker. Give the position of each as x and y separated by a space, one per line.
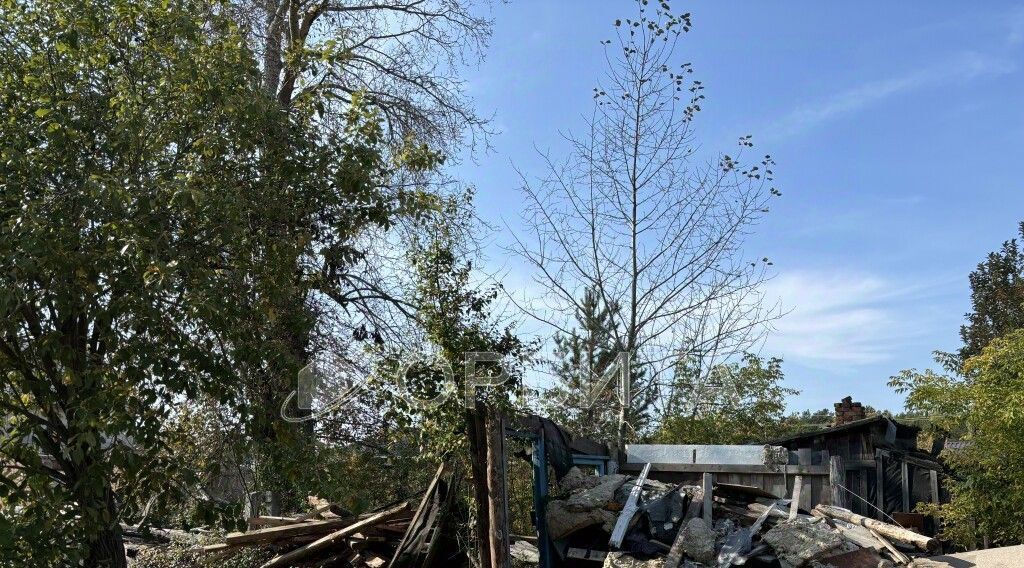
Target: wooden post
476 432
709 483
794 505
934 479
496 489
905 479
837 480
879 486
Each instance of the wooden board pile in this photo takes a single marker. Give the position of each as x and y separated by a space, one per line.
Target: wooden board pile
325 538
409 533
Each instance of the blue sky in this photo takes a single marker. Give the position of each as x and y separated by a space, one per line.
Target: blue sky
896 129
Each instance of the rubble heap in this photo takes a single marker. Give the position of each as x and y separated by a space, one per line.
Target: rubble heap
668 527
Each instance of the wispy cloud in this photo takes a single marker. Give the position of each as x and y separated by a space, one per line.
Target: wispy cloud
1015 21
963 67
842 319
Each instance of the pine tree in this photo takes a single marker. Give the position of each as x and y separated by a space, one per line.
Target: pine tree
581 358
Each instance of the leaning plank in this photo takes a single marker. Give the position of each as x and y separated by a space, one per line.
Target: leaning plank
335 537
885 529
274 534
629 510
896 554
794 505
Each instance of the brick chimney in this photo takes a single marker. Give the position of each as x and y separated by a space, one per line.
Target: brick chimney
848 411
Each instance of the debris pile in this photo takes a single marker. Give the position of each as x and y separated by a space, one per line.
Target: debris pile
626 521
409 533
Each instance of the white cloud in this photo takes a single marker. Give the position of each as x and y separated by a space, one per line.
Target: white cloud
840 319
965 66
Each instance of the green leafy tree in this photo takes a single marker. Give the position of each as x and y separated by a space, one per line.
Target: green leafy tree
735 403
131 148
997 298
982 406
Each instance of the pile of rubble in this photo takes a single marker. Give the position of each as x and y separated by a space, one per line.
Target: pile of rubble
633 522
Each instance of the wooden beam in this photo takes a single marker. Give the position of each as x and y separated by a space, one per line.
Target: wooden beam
933 477
885 529
274 534
708 486
837 480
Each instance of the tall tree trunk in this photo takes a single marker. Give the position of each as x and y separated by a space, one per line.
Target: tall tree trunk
106 549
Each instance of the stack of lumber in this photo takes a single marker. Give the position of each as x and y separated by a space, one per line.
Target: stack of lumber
409 533
324 538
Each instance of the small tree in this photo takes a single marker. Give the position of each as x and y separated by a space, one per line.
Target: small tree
581 360
635 214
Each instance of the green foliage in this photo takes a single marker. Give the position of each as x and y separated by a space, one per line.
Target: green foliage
129 149
456 318
736 403
997 298
581 358
987 482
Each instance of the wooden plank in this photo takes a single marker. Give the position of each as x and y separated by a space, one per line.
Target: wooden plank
422 508
837 481
896 554
879 486
905 480
804 456
626 516
274 534
708 485
794 505
334 538
933 478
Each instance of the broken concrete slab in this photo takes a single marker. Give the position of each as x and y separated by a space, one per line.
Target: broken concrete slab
524 551
699 541
576 479
595 497
563 521
625 560
799 542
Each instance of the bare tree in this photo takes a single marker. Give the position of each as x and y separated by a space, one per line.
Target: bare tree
635 213
403 57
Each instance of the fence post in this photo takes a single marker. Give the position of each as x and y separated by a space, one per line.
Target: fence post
709 483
